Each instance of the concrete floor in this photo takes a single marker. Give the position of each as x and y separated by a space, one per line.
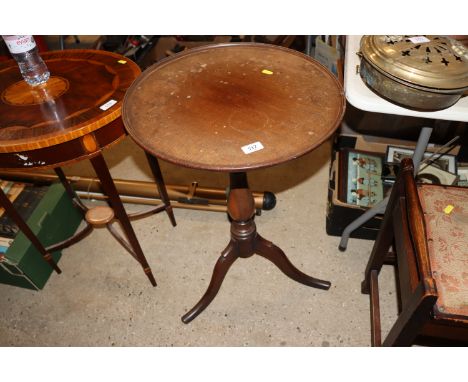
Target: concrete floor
102 298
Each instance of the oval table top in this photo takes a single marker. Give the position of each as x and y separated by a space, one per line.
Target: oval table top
233 107
84 92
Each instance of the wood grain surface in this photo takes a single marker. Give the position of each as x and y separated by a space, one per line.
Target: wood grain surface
68 105
200 107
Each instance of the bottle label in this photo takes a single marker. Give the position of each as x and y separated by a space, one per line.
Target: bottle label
19 44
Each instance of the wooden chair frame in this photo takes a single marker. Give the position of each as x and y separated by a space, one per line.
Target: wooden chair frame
404 226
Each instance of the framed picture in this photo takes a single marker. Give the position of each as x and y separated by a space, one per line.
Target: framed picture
444 162
462 176
434 175
389 172
360 179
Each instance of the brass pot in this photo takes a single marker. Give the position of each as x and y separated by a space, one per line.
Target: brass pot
425 73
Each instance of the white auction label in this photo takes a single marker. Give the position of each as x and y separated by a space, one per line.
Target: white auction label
108 104
419 39
19 44
248 149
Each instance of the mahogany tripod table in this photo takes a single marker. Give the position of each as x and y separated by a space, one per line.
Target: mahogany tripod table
73 116
233 108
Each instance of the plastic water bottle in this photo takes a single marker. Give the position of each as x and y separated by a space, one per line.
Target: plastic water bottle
24 51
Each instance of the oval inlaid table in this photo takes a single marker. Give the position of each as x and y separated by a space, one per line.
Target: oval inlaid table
73 116
233 108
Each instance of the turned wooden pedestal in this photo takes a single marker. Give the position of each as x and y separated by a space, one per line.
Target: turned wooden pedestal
245 242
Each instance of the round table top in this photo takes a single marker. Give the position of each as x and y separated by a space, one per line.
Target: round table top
84 92
233 107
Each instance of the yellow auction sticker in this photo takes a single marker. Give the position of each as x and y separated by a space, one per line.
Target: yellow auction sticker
448 209
266 71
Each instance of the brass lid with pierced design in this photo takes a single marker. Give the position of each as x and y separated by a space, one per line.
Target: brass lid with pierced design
436 62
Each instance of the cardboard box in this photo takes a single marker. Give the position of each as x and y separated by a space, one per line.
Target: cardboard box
339 213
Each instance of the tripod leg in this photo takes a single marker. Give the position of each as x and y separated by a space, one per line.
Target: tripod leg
273 253
222 266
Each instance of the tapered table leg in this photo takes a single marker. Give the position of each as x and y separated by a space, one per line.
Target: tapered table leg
70 191
16 217
245 242
108 186
156 170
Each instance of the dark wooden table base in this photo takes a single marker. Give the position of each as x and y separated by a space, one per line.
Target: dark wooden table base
132 244
108 186
245 242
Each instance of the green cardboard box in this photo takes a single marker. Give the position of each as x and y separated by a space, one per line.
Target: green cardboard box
53 220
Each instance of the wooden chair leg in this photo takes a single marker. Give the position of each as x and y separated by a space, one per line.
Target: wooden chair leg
407 326
409 323
381 248
376 330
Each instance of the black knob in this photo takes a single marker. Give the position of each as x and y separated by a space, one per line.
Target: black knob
269 201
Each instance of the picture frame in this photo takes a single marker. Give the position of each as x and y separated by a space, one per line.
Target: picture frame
389 173
434 175
360 177
445 162
462 176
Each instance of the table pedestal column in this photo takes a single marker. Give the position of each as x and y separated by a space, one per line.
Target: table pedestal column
245 242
